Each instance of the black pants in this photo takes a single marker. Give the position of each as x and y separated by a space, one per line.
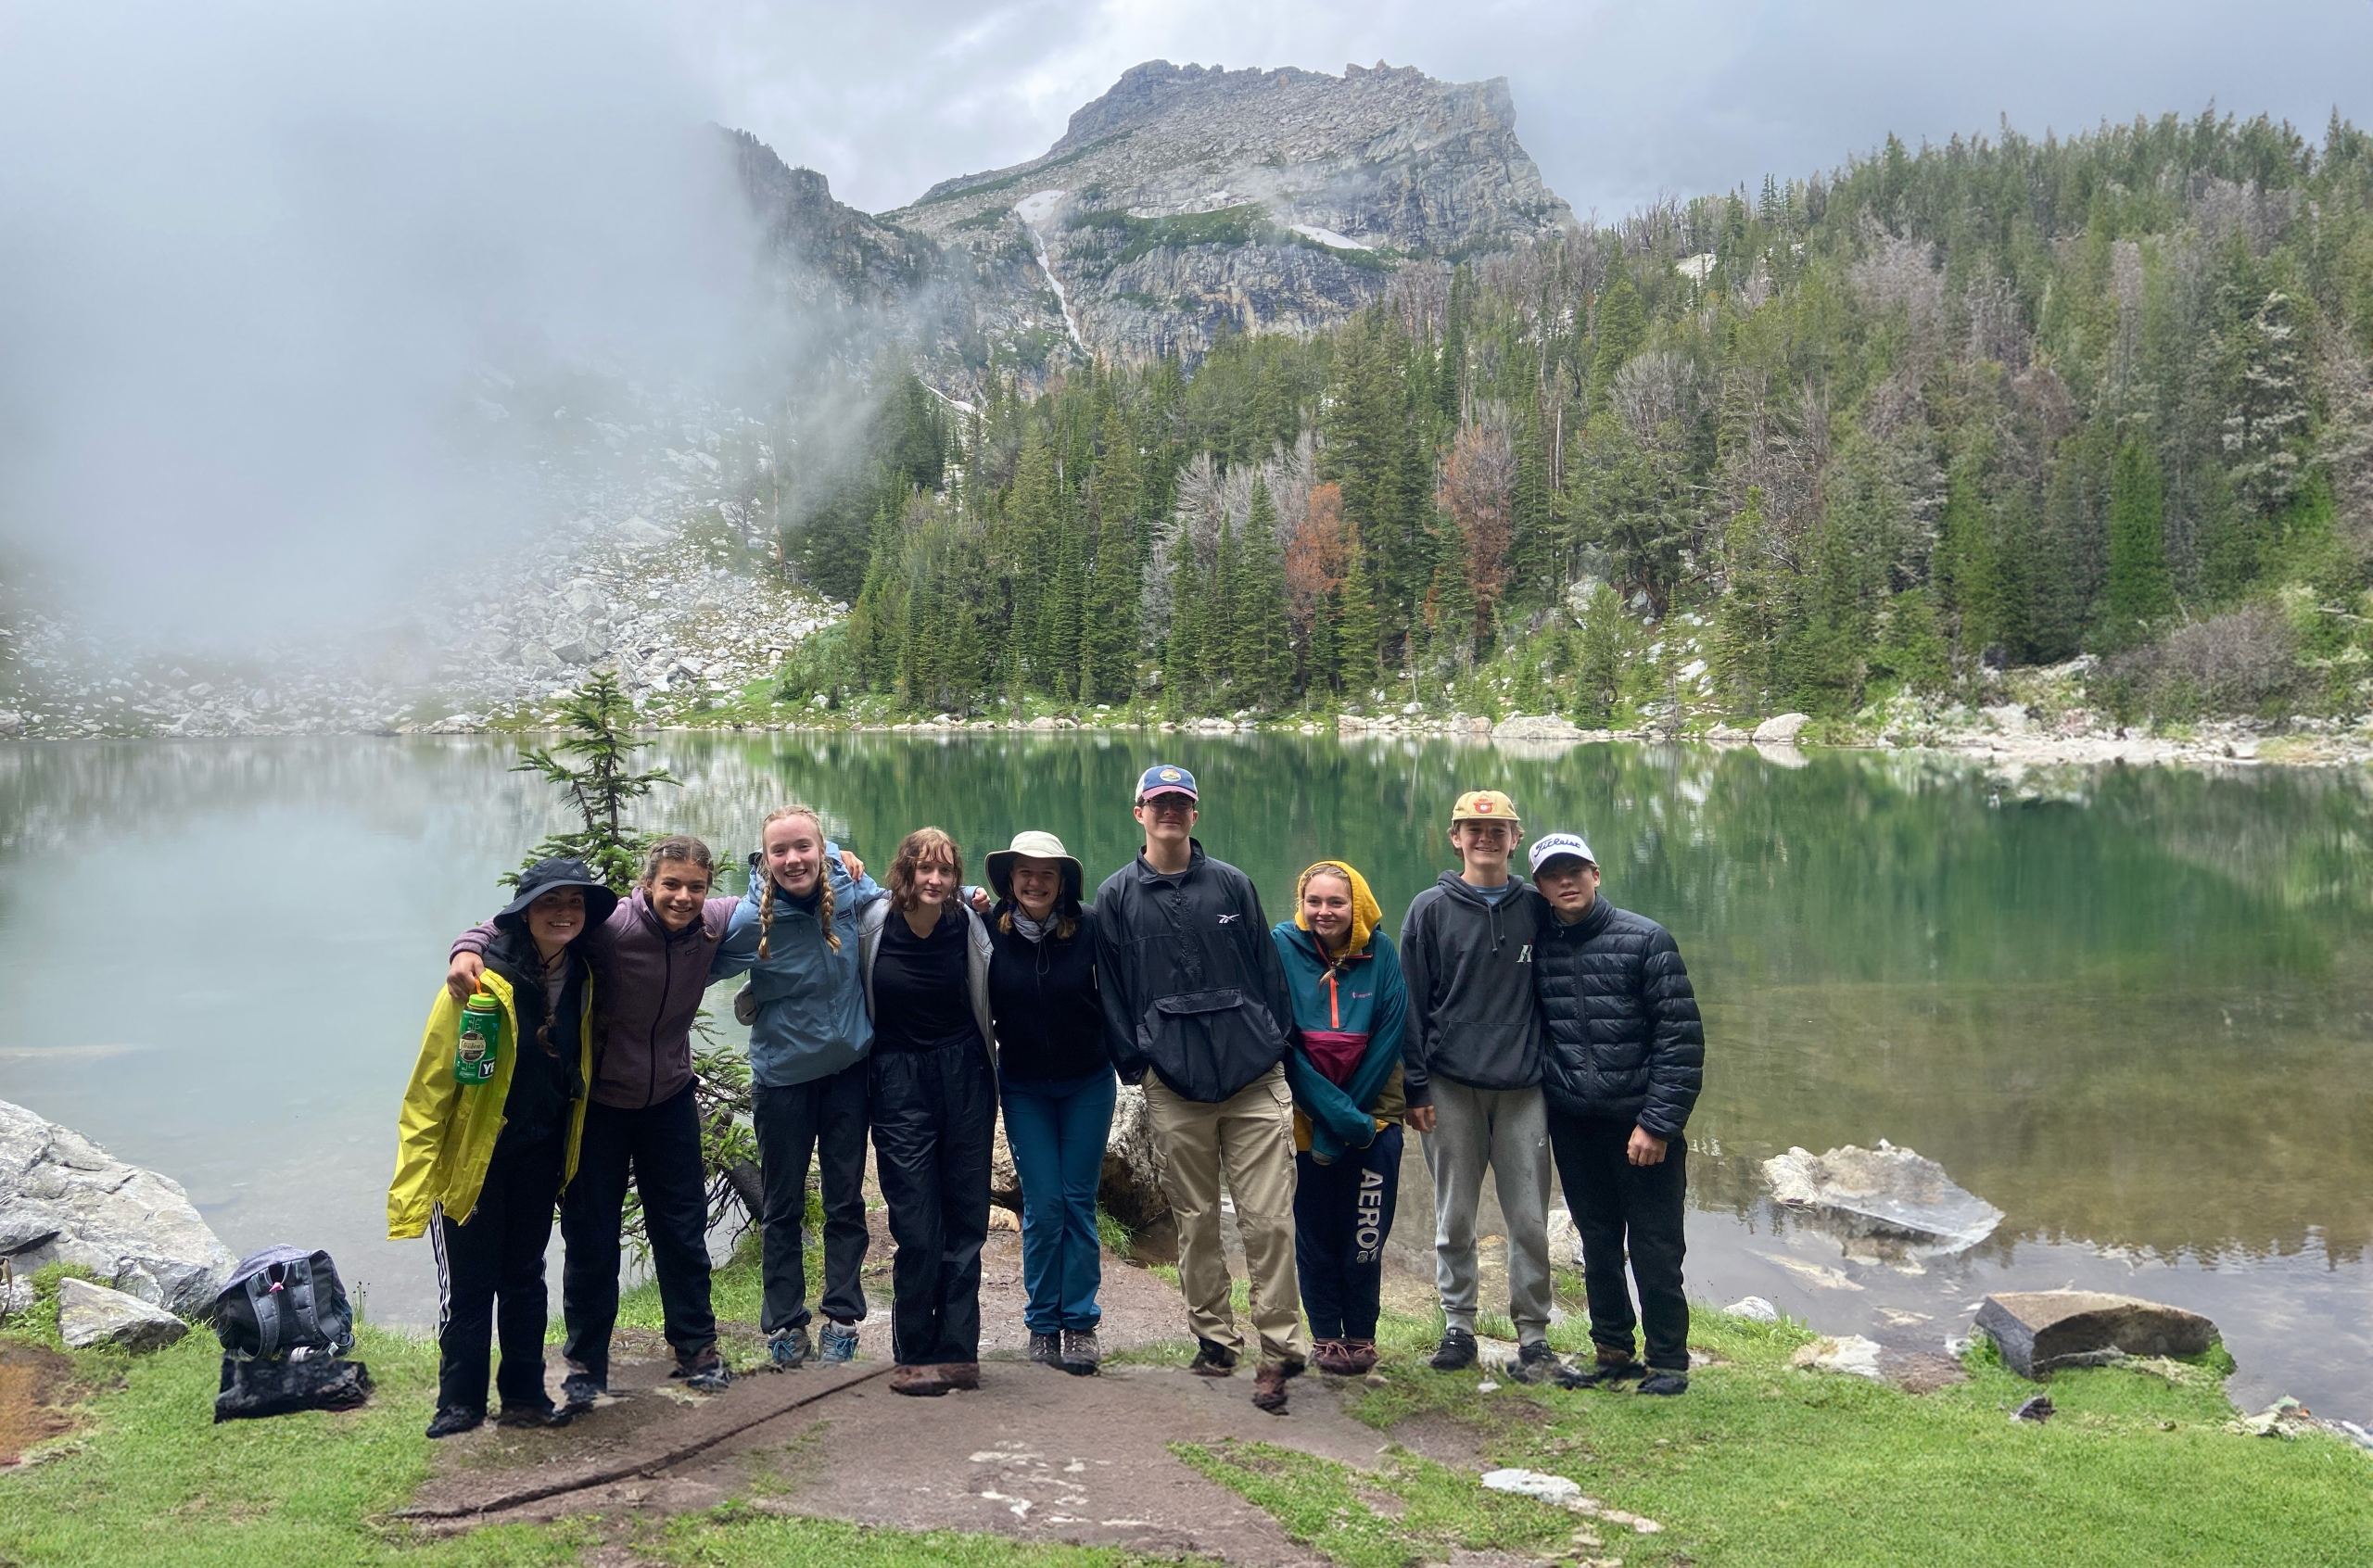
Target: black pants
662 1144
824 1120
934 1116
1342 1214
499 1254
1620 1207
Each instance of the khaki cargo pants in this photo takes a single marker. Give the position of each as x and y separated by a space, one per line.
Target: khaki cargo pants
1251 1135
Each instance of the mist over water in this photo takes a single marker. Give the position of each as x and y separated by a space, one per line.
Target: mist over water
278 283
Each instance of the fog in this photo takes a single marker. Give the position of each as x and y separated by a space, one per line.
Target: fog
260 262
265 266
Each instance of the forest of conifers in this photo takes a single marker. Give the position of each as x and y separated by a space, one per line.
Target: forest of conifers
1998 402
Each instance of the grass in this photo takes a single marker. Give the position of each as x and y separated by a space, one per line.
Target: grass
153 1480
1763 1463
1760 1463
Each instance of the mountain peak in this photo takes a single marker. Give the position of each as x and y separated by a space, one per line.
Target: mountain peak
1188 199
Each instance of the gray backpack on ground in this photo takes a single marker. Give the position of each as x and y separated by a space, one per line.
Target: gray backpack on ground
285 1327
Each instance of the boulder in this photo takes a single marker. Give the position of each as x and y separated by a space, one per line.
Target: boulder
1529 726
1914 1371
2010 719
1129 1189
68 1201
1890 1195
1565 1241
89 1315
1754 1308
2041 1330
1782 729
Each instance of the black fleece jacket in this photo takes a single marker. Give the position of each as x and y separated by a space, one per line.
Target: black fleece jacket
1625 1043
1469 964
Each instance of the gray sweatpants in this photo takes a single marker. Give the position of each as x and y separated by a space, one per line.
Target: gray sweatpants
1507 1130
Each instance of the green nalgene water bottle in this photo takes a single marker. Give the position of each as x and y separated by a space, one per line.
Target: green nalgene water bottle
481 1038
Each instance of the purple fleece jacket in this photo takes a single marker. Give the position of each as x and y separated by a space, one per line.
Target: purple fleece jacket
656 979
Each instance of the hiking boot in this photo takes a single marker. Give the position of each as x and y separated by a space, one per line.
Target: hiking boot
1612 1367
836 1347
704 1370
1080 1353
1046 1349
962 1376
578 1390
531 1415
1457 1352
923 1383
1535 1362
1332 1356
788 1349
1212 1360
451 1421
1269 1386
1358 1357
1660 1382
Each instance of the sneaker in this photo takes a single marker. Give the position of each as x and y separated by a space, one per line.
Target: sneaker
962 1376
704 1370
531 1415
1080 1353
578 1390
1611 1368
788 1348
837 1345
1535 1362
1456 1353
451 1421
1212 1360
922 1382
1046 1349
1269 1386
1664 1382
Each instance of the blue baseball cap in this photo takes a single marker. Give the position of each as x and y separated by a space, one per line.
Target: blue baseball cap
1165 779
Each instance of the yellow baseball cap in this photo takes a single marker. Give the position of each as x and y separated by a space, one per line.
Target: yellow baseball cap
1483 806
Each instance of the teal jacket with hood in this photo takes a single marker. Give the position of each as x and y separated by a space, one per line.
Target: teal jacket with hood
811 1016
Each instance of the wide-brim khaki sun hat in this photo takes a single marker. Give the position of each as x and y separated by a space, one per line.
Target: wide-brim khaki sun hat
1036 846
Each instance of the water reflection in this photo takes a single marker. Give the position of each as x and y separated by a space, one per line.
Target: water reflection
2127 1008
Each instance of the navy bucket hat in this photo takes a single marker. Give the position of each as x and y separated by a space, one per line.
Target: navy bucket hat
546 876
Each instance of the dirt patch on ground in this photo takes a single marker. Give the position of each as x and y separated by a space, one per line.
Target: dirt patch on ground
37 1392
1036 1454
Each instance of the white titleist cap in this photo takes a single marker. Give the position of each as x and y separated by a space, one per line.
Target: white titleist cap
1549 846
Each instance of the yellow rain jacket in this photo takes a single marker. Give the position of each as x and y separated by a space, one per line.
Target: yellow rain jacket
445 1136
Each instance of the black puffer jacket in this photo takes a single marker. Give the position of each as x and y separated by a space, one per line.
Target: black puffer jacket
1625 1041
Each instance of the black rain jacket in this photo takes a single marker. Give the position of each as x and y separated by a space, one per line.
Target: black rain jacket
1190 982
1625 1043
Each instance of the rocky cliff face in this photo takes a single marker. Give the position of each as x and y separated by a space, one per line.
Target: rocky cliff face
1189 199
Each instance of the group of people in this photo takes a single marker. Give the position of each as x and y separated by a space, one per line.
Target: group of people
1514 1023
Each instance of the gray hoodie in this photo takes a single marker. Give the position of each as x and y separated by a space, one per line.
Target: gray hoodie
1473 1017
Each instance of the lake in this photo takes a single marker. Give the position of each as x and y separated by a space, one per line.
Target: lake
2131 1010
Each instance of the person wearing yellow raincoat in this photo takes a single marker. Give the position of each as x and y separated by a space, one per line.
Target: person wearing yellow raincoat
480 1165
1345 1071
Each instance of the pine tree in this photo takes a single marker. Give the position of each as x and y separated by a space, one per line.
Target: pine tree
2141 593
1964 560
1184 675
1620 328
1262 657
1357 633
1225 610
594 769
1108 633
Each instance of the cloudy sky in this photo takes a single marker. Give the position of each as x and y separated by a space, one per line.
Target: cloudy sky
1617 100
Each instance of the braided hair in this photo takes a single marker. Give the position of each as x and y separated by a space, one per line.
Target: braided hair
823 885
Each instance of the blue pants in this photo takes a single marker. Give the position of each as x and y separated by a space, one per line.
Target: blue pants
1057 1128
1342 1214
